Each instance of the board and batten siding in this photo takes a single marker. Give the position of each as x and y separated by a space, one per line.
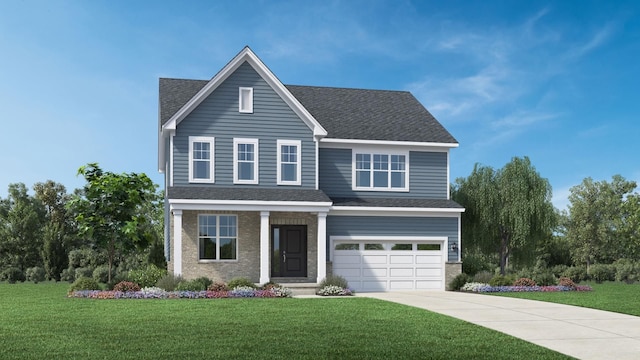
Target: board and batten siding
394 226
218 116
427 175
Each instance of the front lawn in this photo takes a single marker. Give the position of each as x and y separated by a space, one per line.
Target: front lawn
610 296
40 322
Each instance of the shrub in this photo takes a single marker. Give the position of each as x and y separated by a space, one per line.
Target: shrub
101 274
190 285
524 282
602 272
83 272
559 270
576 273
627 271
544 278
205 281
483 277
270 285
335 280
125 286
12 275
89 258
84 283
169 282
240 281
501 280
35 274
458 282
474 263
567 282
147 276
218 286
68 274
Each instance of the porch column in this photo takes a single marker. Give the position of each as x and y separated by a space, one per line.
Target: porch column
322 246
177 242
264 247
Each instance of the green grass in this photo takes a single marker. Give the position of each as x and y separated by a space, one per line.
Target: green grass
37 321
611 296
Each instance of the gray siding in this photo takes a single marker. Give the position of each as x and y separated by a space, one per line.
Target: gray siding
427 175
394 226
218 116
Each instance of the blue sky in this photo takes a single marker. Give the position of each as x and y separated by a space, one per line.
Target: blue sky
556 81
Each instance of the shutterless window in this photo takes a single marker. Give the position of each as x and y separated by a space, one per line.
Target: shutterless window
375 171
217 237
245 165
246 100
289 162
201 159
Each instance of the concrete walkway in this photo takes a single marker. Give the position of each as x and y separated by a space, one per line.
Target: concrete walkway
579 332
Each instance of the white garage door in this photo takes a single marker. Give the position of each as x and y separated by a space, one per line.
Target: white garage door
388 265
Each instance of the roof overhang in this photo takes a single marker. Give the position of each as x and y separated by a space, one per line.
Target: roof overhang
395 211
249 205
348 143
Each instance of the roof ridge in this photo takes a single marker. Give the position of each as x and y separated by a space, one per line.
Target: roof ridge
348 88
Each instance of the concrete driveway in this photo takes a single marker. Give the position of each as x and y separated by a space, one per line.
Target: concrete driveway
579 332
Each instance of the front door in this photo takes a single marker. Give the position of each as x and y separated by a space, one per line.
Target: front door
289 249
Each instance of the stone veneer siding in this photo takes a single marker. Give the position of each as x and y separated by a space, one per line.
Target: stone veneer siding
451 270
248 263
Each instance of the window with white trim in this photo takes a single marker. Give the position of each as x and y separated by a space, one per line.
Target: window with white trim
245 101
289 162
217 237
380 171
201 162
245 161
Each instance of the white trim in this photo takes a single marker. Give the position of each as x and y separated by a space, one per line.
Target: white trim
394 211
177 242
250 205
201 139
322 246
170 171
332 142
459 238
264 248
242 107
379 151
298 145
448 178
256 160
317 145
246 55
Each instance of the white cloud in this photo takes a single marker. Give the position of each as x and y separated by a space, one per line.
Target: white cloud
560 198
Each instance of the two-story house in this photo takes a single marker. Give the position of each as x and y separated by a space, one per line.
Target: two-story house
278 182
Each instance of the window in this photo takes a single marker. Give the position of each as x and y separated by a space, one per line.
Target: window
380 171
347 247
429 247
246 100
217 237
245 164
402 247
201 159
373 247
289 162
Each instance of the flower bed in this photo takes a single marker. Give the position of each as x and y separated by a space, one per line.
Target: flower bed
157 293
333 290
486 288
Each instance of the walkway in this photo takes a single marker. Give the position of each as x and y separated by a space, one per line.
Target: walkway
579 332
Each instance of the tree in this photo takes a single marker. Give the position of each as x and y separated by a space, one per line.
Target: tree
111 210
602 225
57 231
21 220
507 211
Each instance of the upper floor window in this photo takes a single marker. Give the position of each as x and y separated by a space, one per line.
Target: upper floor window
245 161
246 100
289 162
217 237
380 171
201 163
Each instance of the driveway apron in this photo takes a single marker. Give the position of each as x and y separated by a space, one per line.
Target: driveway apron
579 332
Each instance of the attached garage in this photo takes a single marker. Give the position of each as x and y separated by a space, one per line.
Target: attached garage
375 263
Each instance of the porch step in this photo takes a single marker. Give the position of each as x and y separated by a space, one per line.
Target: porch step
301 288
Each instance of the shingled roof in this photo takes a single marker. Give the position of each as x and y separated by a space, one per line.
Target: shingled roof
345 113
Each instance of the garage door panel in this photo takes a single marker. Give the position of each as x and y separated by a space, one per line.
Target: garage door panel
374 259
347 259
374 272
401 285
428 259
374 286
428 285
400 272
401 259
435 272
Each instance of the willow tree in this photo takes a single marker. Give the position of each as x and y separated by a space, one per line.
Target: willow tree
507 210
